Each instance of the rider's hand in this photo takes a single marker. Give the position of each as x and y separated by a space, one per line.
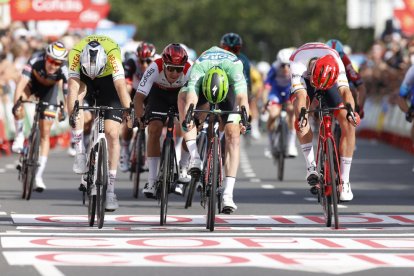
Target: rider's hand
73 120
187 127
245 129
410 114
17 108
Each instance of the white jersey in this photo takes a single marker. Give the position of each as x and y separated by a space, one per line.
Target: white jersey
154 75
299 63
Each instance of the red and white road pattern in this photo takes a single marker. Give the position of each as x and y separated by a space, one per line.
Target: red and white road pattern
221 221
299 243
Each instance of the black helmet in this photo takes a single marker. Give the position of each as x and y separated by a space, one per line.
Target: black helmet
231 42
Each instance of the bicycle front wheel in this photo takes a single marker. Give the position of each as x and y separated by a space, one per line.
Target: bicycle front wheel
333 178
213 175
32 162
165 184
101 181
323 192
139 154
282 129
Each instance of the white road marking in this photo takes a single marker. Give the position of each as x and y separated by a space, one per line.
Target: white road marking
288 192
250 174
10 166
268 186
310 198
2 170
255 180
47 270
332 263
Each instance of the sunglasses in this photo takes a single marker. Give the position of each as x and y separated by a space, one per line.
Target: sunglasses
147 61
53 61
283 65
171 68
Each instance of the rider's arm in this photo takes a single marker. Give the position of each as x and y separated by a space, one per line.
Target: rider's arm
405 89
21 85
121 89
73 92
346 95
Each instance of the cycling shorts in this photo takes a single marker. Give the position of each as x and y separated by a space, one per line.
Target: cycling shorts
102 91
160 100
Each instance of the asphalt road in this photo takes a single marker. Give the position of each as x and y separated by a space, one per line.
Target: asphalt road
277 229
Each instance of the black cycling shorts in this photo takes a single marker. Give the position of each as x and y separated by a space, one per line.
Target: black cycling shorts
103 91
160 100
332 97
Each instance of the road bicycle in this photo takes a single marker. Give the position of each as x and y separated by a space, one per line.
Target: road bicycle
137 159
29 156
329 186
278 141
212 176
96 177
168 172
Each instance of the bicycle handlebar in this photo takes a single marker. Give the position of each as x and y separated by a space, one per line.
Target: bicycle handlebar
189 116
350 115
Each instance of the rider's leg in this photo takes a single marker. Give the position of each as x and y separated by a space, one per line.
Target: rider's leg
153 154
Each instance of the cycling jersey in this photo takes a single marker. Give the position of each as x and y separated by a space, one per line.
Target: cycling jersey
114 61
133 73
299 63
216 56
278 85
351 74
155 76
246 70
42 84
407 86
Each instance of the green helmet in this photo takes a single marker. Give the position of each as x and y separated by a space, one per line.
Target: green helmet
215 85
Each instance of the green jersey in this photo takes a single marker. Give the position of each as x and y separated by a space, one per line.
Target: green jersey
216 56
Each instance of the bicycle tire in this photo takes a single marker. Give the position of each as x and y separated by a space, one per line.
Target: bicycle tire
24 174
282 129
333 179
337 133
324 200
101 181
33 163
91 197
139 160
165 180
213 183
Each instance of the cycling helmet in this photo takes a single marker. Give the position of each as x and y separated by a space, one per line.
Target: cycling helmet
231 42
146 50
283 56
325 72
93 59
337 45
174 54
215 85
57 50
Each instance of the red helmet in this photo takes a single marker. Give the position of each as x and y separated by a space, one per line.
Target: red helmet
174 54
145 50
324 73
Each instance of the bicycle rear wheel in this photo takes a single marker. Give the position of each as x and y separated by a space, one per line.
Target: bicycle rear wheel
139 160
101 181
282 129
213 176
333 179
323 193
165 182
90 190
32 162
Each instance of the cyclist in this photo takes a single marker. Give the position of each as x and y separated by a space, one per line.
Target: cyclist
277 87
233 43
159 88
95 68
134 69
316 66
407 93
356 84
224 71
42 76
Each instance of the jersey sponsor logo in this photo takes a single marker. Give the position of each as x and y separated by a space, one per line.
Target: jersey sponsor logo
217 56
114 64
146 76
75 62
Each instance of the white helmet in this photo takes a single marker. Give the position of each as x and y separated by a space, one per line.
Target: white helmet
283 56
57 50
263 67
93 59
